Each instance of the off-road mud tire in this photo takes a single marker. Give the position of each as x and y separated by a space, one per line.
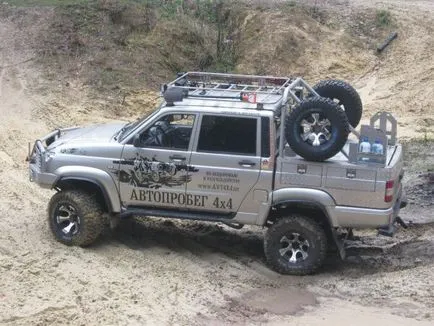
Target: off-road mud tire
308 229
344 94
329 110
88 209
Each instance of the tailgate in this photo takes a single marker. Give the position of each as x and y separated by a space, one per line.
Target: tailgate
394 156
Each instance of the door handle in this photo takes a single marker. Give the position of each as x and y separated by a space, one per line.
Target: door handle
177 158
247 164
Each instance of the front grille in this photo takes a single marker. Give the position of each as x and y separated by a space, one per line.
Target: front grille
38 159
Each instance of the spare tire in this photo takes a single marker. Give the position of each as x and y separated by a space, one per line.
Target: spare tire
316 129
344 95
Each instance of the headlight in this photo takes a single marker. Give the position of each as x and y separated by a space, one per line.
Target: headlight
49 155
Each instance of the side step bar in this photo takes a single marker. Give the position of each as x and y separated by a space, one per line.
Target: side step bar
186 215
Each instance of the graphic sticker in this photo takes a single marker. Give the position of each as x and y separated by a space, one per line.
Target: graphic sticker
149 173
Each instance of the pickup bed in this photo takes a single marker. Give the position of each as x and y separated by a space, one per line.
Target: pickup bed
216 158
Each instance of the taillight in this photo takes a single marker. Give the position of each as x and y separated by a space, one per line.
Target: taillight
388 195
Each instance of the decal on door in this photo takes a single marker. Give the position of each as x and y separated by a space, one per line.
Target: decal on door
143 172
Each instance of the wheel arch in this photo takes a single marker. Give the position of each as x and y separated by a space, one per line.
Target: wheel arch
304 198
100 180
90 179
89 185
309 208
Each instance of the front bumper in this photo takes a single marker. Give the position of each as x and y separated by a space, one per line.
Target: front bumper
37 162
45 180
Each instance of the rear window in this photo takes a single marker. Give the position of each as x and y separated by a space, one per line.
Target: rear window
231 135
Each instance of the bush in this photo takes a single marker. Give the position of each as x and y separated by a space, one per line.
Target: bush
383 18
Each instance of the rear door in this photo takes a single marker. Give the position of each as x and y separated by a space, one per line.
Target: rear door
227 162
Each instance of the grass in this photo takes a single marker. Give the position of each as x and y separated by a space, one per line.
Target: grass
131 43
144 42
177 34
54 3
383 18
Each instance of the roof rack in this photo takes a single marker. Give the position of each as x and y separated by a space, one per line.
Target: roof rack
235 87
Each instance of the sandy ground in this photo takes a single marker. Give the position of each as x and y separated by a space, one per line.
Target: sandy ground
401 79
168 272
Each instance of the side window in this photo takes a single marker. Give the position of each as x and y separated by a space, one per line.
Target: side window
232 135
171 131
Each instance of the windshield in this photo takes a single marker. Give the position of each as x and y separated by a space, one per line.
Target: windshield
130 126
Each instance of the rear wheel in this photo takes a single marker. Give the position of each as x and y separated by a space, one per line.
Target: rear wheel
344 95
75 217
295 245
316 129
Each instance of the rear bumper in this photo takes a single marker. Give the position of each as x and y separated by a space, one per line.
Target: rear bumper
357 217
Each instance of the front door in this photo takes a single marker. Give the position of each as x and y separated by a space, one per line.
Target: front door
226 156
154 168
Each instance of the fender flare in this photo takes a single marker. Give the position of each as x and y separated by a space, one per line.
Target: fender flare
306 197
101 179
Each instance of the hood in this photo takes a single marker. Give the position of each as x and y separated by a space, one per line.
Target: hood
95 133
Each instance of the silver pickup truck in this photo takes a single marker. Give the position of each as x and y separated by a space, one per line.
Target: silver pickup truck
234 149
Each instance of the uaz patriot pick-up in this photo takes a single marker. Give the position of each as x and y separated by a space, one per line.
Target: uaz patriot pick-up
234 149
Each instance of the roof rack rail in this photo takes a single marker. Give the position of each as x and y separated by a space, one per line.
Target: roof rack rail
234 87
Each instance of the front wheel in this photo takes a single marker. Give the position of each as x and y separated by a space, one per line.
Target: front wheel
75 217
295 245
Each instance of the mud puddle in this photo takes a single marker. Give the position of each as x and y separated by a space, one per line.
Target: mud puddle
410 248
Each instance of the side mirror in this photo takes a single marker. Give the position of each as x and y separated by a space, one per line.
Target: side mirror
136 140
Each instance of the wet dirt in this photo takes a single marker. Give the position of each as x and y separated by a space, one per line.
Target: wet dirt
281 301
